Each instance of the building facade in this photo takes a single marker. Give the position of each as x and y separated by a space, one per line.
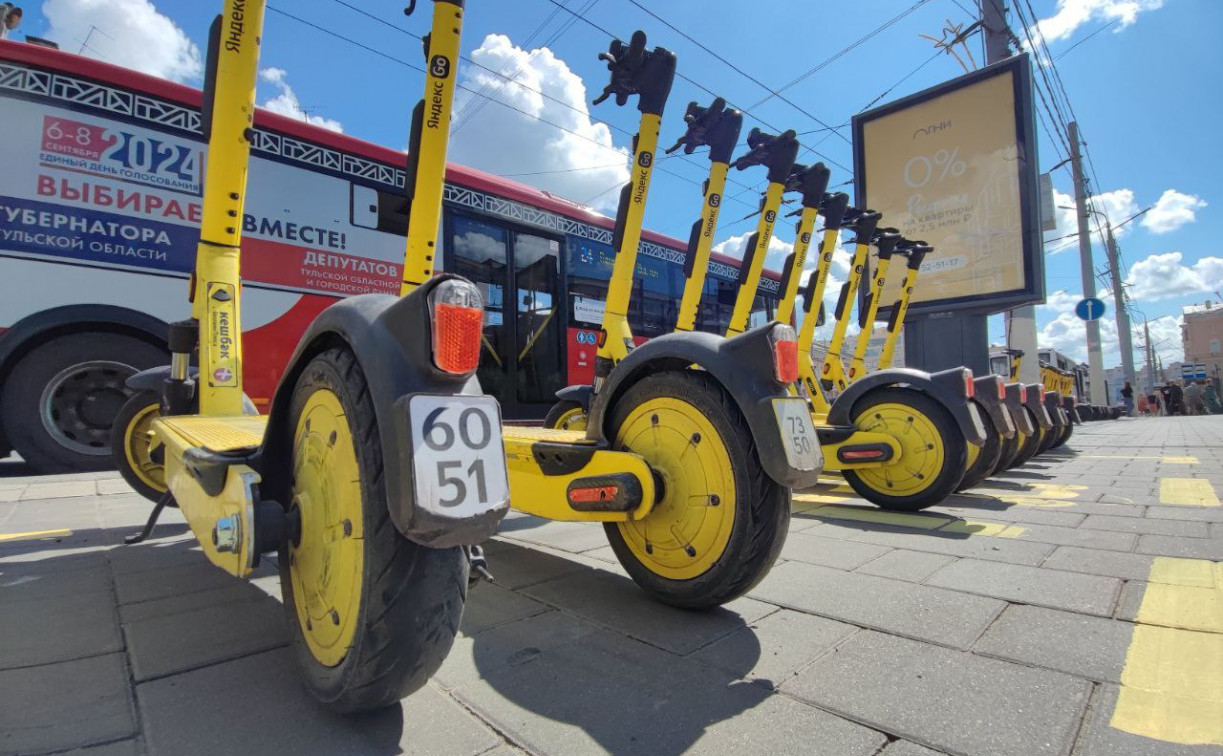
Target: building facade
1202 336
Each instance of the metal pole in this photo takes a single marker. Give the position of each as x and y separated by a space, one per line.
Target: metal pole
1124 334
1146 332
1095 359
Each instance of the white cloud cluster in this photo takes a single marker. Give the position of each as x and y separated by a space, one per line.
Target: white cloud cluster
581 164
1165 275
1071 14
1171 211
128 33
286 103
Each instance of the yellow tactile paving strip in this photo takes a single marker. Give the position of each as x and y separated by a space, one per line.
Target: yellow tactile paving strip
1172 684
34 535
1189 492
1166 460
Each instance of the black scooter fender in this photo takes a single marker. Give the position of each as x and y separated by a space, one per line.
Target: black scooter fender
946 387
741 364
1037 406
1053 405
581 394
390 337
1072 410
1022 420
154 379
985 394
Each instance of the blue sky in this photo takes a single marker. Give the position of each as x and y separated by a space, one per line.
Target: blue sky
1139 87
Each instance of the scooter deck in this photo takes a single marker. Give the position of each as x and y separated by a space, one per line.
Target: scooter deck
539 433
220 435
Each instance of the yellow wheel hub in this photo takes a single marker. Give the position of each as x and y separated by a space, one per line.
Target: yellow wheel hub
921 450
138 445
974 452
688 530
574 419
326 567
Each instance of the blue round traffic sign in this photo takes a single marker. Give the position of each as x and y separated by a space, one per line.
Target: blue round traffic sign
1089 309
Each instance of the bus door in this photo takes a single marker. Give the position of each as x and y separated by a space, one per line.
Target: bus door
518 273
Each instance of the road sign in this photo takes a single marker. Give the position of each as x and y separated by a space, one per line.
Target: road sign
1193 371
1089 309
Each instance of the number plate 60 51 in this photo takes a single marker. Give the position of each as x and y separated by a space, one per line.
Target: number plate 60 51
458 458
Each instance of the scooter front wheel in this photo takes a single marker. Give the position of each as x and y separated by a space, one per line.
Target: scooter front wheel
132 446
372 615
566 415
933 452
720 520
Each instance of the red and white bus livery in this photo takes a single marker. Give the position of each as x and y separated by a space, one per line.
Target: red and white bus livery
101 172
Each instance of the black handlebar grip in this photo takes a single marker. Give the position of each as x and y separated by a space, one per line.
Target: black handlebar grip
866 305
777 152
916 256
749 254
833 208
863 222
714 126
810 181
786 272
634 71
210 76
886 241
809 291
690 253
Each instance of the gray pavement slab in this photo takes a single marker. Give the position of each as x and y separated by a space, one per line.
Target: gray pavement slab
475 656
946 699
574 537
1089 594
517 566
774 649
959 506
66 705
1089 539
1186 548
187 714
60 489
916 611
613 694
58 628
491 605
829 552
902 564
1099 562
616 602
1184 528
1091 647
150 585
1100 738
1200 514
130 747
1009 550
907 748
69 576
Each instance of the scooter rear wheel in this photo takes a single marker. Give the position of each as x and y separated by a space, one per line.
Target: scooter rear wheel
1010 448
721 520
1067 432
371 614
1027 444
566 415
982 460
934 454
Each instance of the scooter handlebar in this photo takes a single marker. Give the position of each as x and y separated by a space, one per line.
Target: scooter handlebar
636 71
886 240
810 181
916 251
833 207
714 126
777 152
863 222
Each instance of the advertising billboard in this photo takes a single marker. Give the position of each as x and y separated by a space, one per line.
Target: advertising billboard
956 165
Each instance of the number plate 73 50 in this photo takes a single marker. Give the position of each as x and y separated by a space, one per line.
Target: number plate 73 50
458 459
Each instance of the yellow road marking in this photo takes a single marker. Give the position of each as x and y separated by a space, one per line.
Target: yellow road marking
1172 684
1191 492
35 534
1168 460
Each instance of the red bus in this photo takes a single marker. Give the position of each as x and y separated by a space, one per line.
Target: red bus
100 193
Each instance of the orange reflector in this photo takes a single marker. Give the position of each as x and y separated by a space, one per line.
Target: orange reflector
1023 394
1001 389
602 337
827 368
456 337
865 454
591 494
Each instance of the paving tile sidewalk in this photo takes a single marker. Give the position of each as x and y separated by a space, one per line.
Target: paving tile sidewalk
1004 628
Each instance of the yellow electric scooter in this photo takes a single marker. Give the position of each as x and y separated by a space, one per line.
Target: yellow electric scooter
379 465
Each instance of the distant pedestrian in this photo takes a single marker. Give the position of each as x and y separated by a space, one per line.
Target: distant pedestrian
1127 396
10 17
1195 403
1153 404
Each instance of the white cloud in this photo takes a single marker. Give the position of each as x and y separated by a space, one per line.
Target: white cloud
1117 206
1165 275
1171 211
584 165
1071 14
128 33
286 103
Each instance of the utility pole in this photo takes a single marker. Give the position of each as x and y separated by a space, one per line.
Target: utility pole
1123 315
1146 332
1095 358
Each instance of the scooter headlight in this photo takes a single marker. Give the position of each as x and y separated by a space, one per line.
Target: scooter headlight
457 310
784 343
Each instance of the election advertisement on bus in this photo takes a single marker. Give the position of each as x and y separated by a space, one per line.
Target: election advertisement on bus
87 190
956 166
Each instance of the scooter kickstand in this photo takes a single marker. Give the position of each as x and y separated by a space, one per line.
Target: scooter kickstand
165 499
479 566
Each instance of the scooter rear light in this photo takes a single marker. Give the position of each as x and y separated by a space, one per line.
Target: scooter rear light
970 388
592 494
784 343
458 324
1001 384
1023 394
1041 389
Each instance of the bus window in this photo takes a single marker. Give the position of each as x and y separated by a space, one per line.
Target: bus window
590 267
539 343
656 292
479 253
382 211
762 312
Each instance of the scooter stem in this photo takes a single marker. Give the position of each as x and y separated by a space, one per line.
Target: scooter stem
833 208
916 252
228 117
863 222
426 168
812 182
885 242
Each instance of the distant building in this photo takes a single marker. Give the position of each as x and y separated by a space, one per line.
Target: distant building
1202 336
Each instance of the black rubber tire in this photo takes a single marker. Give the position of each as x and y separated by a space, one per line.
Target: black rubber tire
1067 432
132 408
955 450
1028 448
1006 456
987 458
412 597
1047 441
762 514
558 410
20 410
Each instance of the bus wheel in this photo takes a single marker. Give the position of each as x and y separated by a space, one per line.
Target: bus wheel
1067 432
720 521
933 452
982 460
1027 444
60 400
131 442
371 614
566 415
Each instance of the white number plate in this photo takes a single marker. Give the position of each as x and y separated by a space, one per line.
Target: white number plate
458 458
798 433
